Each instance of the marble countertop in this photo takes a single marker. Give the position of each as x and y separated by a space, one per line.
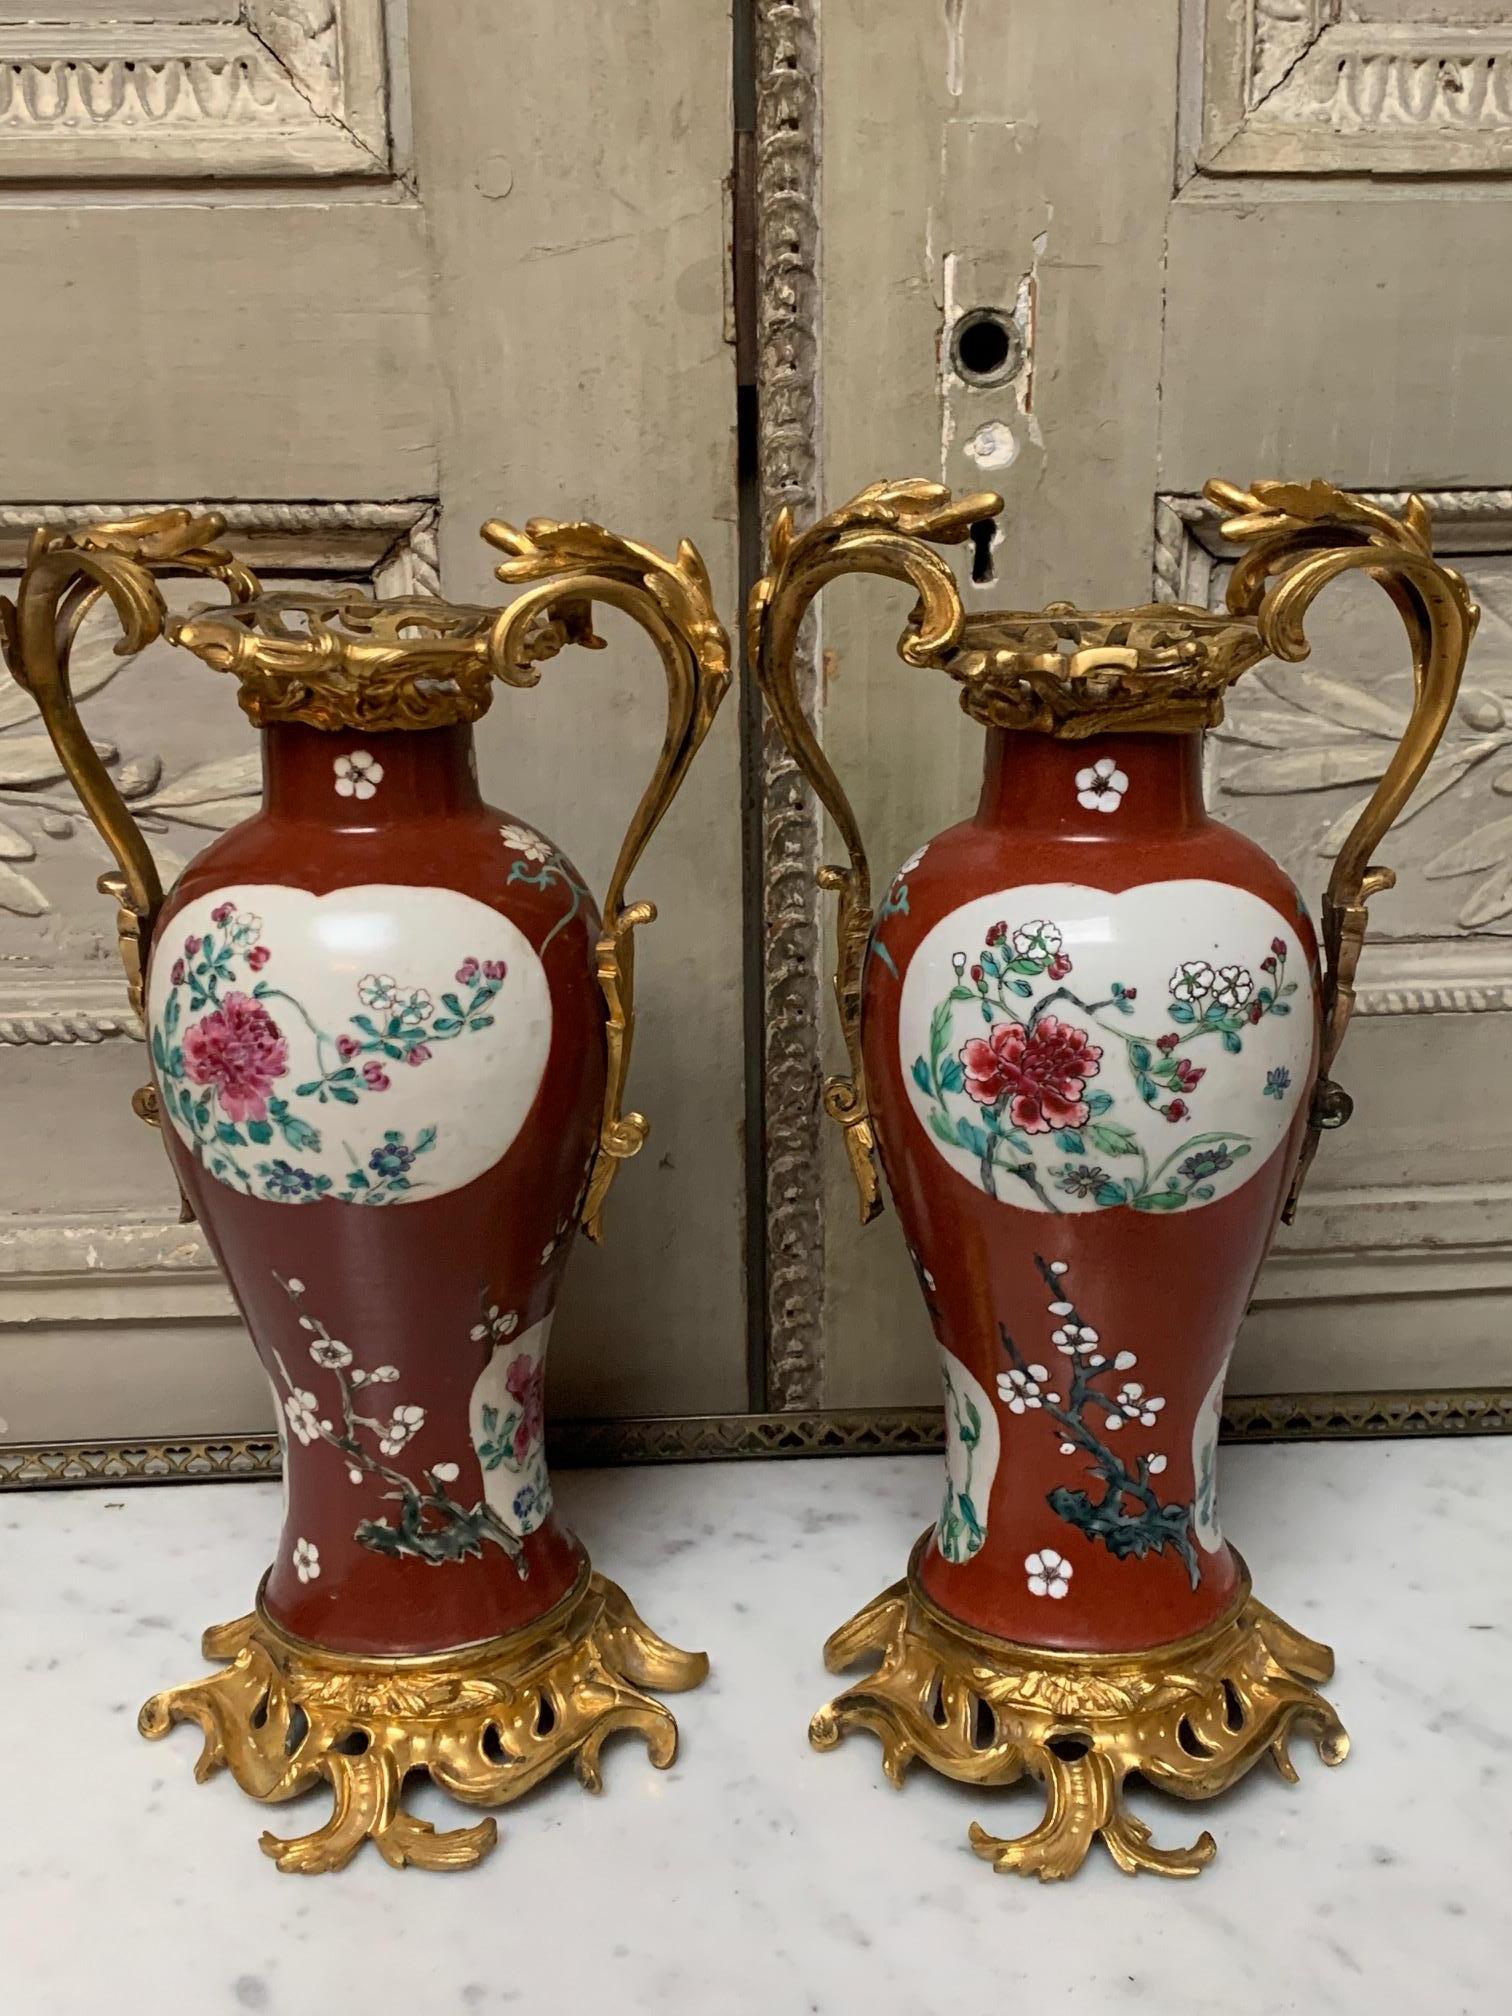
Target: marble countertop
757 1875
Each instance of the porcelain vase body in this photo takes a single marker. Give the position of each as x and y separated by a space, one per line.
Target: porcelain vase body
1090 1027
379 1052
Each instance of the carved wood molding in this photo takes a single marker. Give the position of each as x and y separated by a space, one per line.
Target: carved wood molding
1298 87
787 253
1466 973
287 89
702 1438
390 547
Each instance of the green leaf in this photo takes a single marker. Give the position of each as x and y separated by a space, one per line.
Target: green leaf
953 1074
943 1126
425 1139
1016 1139
1281 1007
1111 1137
973 1421
939 1031
452 1004
1147 1089
345 1094
1026 965
1099 1102
159 1051
445 1025
1161 1200
974 1138
260 1132
921 1076
1021 987
481 1022
1069 1140
1108 1194
356 1180
1232 1043
961 994
1182 1011
307 1091
365 1024
1139 1056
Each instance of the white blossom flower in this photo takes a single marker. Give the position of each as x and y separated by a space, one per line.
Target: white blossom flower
1233 986
494 1324
331 1353
1097 1358
1060 1308
1057 1266
357 775
378 990
294 1287
1137 1405
1101 786
417 1007
355 1476
1068 1448
1113 1423
1191 980
246 927
307 1323
1124 1360
522 840
1157 1464
306 1560
304 1416
445 1473
1037 939
1023 1389
383 1375
407 1422
1049 1573
958 961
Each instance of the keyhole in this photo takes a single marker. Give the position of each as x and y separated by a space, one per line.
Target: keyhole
984 538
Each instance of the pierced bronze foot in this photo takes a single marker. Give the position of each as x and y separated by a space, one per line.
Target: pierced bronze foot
486 1723
1191 1718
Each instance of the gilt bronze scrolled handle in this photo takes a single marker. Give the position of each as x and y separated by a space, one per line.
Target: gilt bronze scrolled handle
892 529
567 568
1299 538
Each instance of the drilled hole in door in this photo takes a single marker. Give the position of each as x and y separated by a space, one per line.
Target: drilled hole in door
984 536
985 346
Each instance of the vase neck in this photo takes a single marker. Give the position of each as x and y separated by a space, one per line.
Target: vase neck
348 779
1097 789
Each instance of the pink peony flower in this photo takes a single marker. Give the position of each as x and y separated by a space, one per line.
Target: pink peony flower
178 973
377 1078
258 957
240 1050
192 946
347 1046
1175 1109
1040 1075
494 969
526 1382
222 912
1059 967
419 1055
468 972
1189 1075
1167 1042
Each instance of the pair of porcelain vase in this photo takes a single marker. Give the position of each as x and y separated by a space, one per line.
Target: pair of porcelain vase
1090 1033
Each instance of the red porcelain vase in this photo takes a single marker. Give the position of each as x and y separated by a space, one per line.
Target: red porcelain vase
389 1034
1091 1031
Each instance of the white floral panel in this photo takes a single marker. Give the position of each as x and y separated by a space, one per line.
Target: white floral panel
507 1418
971 1461
377 1045
1069 1049
1205 1466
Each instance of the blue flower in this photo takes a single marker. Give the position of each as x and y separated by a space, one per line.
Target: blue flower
392 1159
1276 1082
281 1180
525 1502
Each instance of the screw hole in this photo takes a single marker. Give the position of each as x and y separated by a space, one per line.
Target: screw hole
985 346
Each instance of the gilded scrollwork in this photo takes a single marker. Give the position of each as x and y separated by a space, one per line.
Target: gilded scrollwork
1191 1719
485 1723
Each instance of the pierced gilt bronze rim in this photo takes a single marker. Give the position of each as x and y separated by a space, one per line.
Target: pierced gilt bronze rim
719 1438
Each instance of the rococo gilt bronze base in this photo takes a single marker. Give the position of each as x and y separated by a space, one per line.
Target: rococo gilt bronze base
1190 1718
486 1722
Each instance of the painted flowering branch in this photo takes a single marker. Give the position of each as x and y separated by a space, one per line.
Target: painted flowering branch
431 1524
1153 1526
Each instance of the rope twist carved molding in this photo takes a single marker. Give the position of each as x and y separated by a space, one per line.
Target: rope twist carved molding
787 237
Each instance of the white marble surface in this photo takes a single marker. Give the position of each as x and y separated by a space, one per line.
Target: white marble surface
757 1875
